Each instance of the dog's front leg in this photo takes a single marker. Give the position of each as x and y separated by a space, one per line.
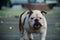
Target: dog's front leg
24 36
30 36
21 36
43 35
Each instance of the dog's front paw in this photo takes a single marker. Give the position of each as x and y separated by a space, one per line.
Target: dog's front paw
30 39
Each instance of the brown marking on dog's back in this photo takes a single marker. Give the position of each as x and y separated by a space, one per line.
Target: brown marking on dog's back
21 28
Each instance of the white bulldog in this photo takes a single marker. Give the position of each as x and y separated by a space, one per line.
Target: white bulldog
32 21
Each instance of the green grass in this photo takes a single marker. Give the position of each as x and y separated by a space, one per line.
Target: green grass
57 12
17 12
11 12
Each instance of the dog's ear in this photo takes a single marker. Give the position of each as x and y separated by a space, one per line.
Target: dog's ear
44 12
30 12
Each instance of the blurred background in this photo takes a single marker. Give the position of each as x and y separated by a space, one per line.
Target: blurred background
10 11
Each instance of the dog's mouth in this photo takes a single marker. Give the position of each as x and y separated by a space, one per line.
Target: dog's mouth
37 26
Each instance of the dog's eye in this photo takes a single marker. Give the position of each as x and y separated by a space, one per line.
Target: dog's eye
32 18
40 18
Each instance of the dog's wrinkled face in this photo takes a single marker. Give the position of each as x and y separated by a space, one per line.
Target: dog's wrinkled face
36 19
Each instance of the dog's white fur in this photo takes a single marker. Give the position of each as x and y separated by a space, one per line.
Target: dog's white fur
28 30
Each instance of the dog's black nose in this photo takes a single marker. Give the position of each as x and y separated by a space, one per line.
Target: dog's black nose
36 20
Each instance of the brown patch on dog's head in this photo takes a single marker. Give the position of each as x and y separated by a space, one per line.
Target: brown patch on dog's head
30 12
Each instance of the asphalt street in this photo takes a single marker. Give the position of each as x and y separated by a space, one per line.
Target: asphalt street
9 29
